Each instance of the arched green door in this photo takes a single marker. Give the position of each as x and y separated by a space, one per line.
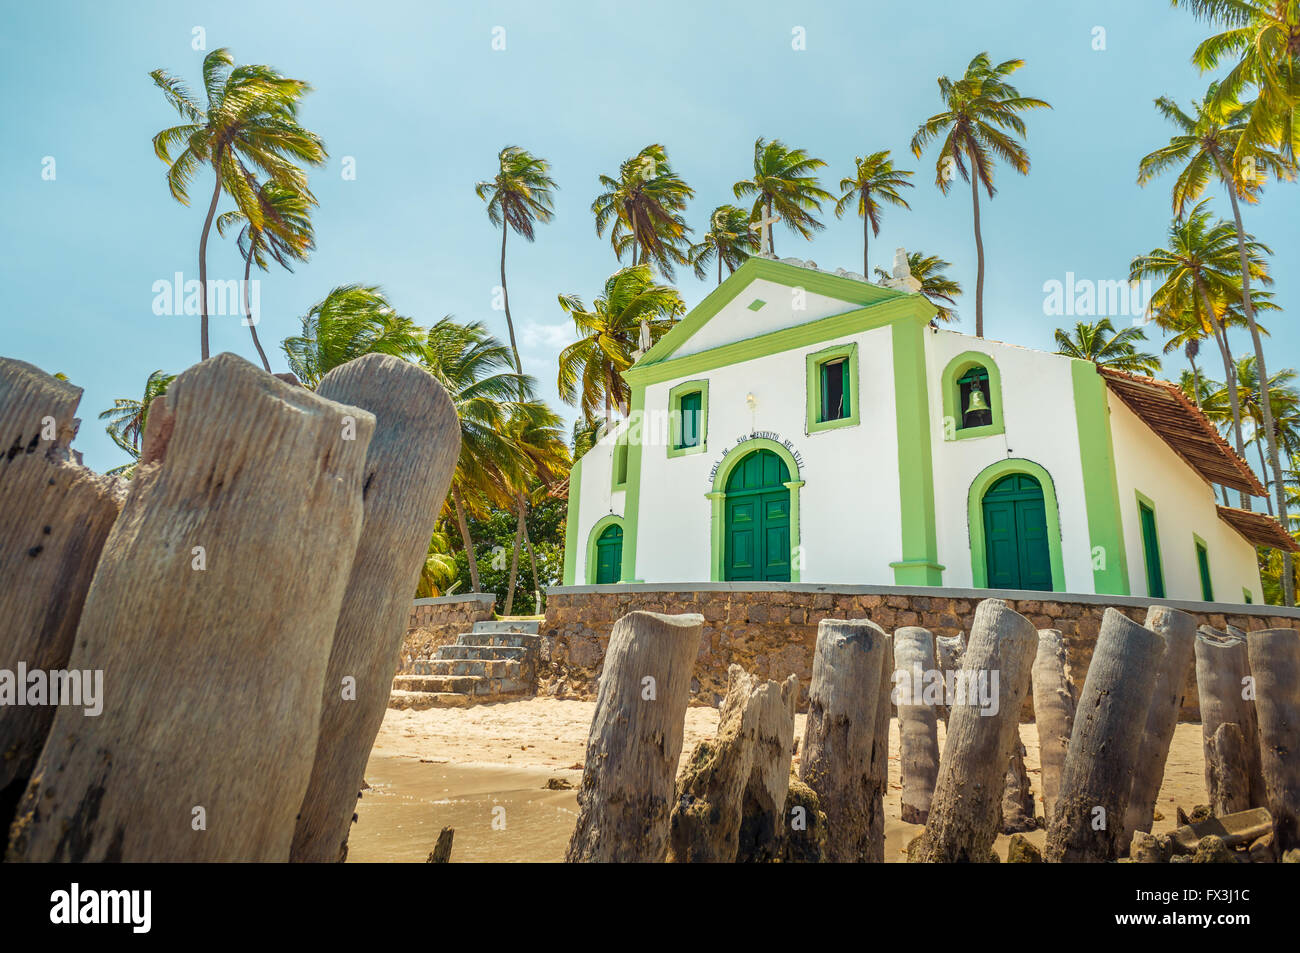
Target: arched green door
1015 534
609 554
757 531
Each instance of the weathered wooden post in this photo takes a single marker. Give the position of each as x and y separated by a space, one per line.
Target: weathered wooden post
880 756
949 651
1177 631
1275 663
915 670
1017 795
731 792
839 758
210 615
1053 713
1103 754
982 729
1222 684
1229 785
54 517
408 469
626 794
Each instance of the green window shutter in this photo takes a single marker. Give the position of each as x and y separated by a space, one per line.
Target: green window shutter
1151 549
823 379
688 434
846 408
1203 564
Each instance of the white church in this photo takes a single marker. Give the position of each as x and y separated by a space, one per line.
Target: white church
803 426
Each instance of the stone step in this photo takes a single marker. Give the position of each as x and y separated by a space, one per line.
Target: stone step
510 639
418 701
529 626
500 668
460 684
480 652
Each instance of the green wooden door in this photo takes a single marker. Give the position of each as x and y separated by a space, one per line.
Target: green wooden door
609 554
1151 550
757 513
1016 550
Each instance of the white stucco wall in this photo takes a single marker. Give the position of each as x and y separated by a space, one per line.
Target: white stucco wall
1184 504
1039 417
595 497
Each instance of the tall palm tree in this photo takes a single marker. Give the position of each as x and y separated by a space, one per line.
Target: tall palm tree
940 290
251 121
784 184
729 241
980 123
1198 284
1205 146
1283 398
874 177
645 205
1106 347
1264 36
350 321
127 418
477 371
285 235
591 369
518 197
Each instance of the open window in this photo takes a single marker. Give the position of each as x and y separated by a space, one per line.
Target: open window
833 388
688 411
972 397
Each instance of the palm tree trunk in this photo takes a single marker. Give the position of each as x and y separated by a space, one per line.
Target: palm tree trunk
248 310
1288 580
1230 382
1263 468
203 257
514 562
719 266
979 255
866 222
771 232
532 564
465 538
1196 382
505 299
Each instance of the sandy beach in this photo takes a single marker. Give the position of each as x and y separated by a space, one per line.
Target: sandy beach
484 771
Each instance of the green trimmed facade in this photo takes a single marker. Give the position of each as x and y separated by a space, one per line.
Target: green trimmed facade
810 427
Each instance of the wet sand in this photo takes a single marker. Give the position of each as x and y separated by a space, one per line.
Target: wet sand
484 771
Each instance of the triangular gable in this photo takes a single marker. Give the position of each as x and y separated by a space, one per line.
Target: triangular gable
744 306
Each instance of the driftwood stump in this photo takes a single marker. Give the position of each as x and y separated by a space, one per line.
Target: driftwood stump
918 726
1104 752
839 760
949 651
441 853
983 728
1177 630
1275 663
1053 713
54 517
635 741
211 615
408 469
1017 795
880 755
1222 684
1228 774
731 792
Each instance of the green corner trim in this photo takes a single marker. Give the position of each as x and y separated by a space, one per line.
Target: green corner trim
975 515
718 495
912 307
814 362
1144 500
571 523
675 417
919 563
1100 485
632 502
589 569
778 272
952 413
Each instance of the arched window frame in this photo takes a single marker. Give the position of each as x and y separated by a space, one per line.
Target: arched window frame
959 365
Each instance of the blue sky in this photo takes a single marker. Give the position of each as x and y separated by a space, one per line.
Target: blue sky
416 94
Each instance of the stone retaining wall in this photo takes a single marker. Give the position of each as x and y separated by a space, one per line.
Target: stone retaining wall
771 629
435 622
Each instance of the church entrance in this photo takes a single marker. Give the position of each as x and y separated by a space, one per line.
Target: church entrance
757 528
609 554
1015 534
